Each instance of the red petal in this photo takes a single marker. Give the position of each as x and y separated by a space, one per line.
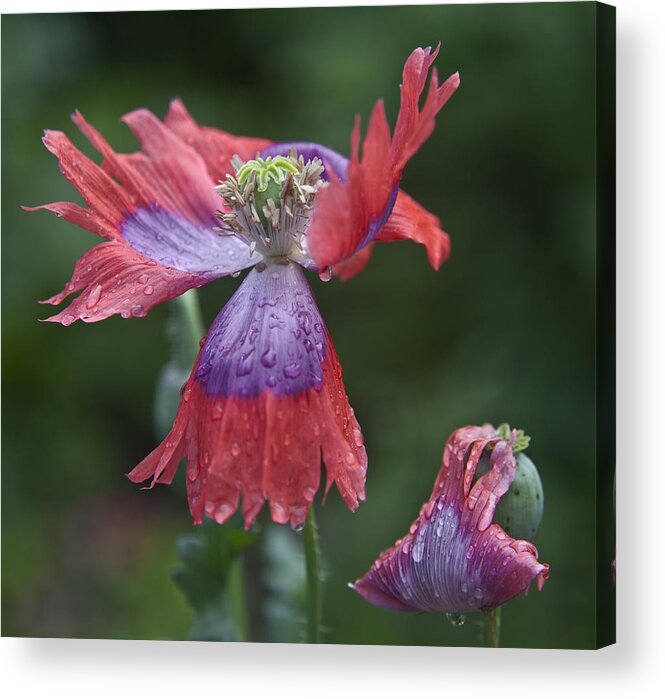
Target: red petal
349 214
168 177
117 279
410 221
354 264
263 448
214 146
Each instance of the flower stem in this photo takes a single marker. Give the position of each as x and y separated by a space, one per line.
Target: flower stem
236 592
313 571
186 329
493 628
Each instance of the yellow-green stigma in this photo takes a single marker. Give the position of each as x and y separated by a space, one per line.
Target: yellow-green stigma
264 171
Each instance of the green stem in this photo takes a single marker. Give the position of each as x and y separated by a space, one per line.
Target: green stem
493 628
237 598
187 329
313 570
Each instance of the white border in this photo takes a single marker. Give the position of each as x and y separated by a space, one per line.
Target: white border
634 667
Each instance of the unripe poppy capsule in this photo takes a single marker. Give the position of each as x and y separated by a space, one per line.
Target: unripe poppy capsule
520 510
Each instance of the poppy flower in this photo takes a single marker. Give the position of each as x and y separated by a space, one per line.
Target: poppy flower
265 402
455 559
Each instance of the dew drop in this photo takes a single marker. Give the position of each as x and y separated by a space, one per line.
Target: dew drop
292 371
223 512
269 358
309 493
358 437
326 275
417 551
192 470
95 295
149 290
235 449
469 552
304 319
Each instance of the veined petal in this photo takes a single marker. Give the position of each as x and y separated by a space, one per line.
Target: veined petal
117 279
216 147
265 402
350 212
454 559
156 209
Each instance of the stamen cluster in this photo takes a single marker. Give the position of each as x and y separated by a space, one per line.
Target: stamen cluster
269 203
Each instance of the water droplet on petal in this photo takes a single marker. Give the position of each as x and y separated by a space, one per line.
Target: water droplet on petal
269 358
292 371
223 512
309 493
326 275
417 551
149 290
235 449
94 296
358 437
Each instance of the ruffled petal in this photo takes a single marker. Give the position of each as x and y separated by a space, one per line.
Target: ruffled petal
454 559
410 221
264 404
156 208
214 146
354 264
351 212
117 279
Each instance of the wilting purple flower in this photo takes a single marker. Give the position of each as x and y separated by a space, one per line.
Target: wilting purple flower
454 559
265 402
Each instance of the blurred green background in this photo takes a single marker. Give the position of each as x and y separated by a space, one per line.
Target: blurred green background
504 332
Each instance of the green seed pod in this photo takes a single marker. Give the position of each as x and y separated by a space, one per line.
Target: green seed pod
520 510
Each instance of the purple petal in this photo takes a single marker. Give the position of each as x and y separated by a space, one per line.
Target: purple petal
453 559
269 337
174 241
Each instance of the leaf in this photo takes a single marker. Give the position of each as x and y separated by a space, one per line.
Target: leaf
208 559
